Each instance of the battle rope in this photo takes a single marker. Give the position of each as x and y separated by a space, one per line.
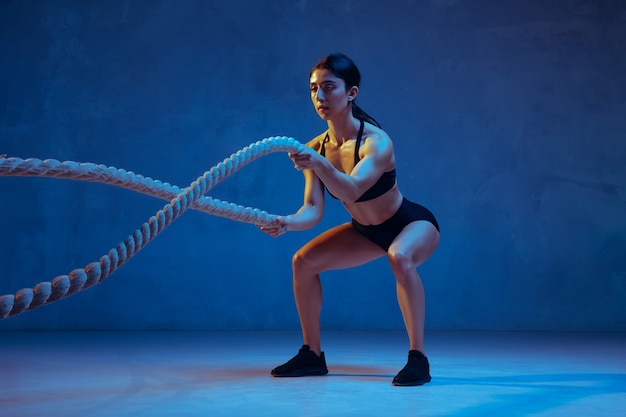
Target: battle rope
179 201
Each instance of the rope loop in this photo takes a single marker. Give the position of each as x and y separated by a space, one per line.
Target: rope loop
179 201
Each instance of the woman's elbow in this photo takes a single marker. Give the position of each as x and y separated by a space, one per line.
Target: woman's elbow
316 213
350 196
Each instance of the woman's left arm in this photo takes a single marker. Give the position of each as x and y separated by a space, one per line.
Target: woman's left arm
377 157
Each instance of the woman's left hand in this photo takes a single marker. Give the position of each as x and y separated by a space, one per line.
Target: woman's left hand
305 159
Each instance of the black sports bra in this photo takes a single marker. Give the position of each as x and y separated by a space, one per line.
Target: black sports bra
384 183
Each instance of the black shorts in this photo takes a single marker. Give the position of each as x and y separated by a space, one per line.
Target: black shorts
383 234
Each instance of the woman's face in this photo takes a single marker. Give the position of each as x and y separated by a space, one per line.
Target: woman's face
328 94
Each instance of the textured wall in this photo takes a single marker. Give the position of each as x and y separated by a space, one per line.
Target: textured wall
508 119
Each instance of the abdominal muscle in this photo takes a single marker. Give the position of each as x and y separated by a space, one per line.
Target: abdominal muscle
377 210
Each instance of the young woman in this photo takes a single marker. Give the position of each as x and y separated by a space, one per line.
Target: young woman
354 160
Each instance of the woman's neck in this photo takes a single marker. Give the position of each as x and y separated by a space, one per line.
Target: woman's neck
343 129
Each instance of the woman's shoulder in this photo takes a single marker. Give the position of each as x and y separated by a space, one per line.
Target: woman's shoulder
377 142
376 135
316 142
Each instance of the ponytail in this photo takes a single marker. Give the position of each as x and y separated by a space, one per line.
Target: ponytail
360 114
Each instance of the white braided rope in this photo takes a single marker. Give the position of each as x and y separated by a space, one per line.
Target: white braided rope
179 201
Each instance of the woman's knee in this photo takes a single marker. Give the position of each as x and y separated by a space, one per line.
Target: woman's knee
302 263
401 263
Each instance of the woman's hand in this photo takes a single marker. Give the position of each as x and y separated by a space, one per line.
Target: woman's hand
307 158
277 227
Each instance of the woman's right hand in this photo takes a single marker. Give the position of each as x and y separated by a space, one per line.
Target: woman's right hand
277 227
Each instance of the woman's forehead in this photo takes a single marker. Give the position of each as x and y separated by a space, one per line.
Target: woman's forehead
321 75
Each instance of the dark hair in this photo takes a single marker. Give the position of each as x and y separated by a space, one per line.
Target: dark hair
343 67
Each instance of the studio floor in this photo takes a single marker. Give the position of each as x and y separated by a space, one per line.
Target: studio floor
137 374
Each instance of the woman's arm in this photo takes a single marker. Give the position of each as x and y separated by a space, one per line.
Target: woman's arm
377 157
313 206
308 215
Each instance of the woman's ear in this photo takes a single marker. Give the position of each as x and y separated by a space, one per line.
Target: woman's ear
352 93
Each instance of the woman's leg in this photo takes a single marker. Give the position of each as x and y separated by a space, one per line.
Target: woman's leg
338 248
409 250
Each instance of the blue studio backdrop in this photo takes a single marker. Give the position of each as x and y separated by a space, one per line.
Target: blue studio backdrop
508 119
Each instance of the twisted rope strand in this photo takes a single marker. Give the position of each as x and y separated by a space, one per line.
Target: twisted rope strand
180 200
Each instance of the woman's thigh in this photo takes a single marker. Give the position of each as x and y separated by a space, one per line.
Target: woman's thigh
417 241
338 248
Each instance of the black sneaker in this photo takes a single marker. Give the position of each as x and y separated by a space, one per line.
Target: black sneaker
415 372
305 363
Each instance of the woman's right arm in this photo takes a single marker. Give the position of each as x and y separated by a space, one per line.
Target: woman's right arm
309 214
313 206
